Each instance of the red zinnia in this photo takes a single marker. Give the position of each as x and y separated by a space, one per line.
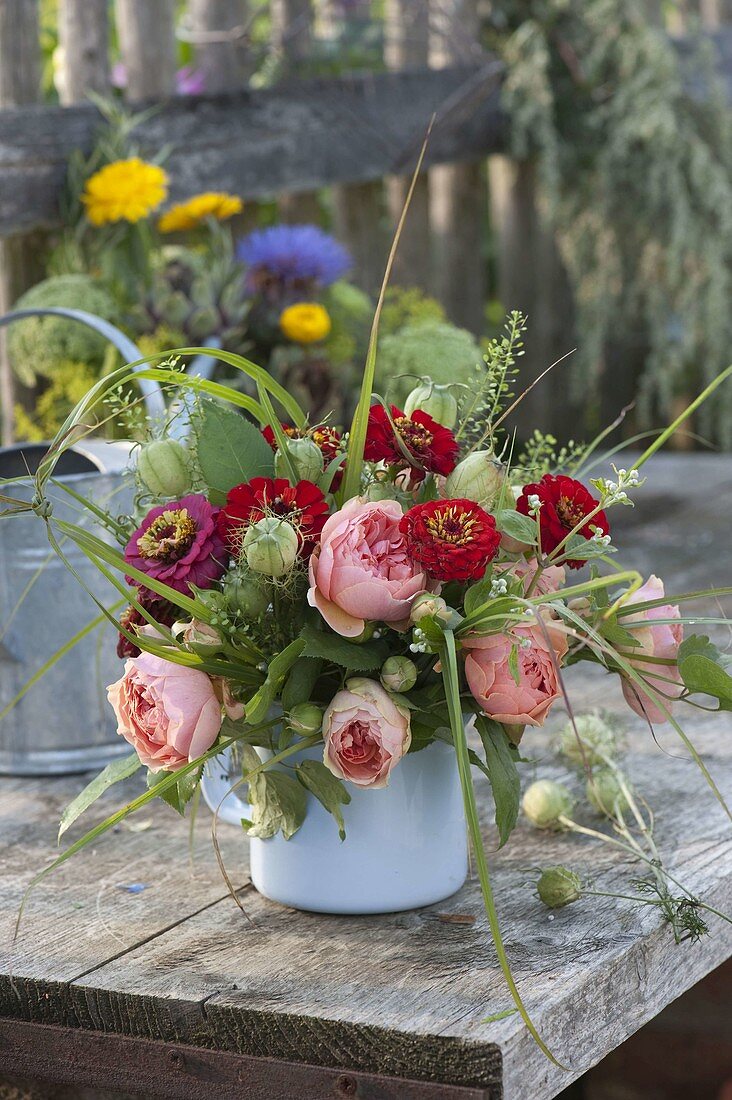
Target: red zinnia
432 447
303 505
453 539
327 439
564 505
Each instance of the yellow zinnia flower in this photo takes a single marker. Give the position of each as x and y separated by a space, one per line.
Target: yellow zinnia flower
187 215
305 323
124 191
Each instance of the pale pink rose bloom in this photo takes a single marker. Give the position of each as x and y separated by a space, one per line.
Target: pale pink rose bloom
656 640
361 569
551 580
168 713
366 733
491 682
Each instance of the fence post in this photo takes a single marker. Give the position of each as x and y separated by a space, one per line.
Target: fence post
220 35
83 27
147 43
21 257
458 191
406 45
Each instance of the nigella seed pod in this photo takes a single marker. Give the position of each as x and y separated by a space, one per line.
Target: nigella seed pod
558 886
305 719
246 595
162 467
597 741
544 802
270 546
398 674
605 793
436 400
306 459
479 477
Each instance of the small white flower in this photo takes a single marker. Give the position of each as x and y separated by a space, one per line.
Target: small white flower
534 503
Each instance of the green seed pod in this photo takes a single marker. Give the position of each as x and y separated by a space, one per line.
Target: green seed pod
398 674
305 719
270 546
478 477
605 793
598 741
306 458
558 886
436 400
162 467
379 490
245 594
545 801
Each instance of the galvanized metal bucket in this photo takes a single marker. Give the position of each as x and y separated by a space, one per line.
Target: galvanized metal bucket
64 723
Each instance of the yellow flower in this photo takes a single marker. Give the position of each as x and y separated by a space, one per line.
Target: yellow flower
187 215
126 190
305 323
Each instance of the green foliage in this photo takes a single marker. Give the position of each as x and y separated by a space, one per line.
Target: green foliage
542 455
435 349
636 174
329 791
113 773
492 384
354 656
66 386
39 344
409 306
278 802
700 665
230 449
501 757
350 311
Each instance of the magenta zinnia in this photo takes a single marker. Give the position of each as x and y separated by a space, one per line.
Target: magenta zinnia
178 544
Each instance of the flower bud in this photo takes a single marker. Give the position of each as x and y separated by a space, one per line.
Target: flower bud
605 793
597 737
162 467
306 459
199 637
545 801
398 674
437 401
246 595
426 604
305 719
478 477
270 546
558 886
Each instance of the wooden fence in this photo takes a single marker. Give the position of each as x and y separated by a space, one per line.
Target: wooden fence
357 134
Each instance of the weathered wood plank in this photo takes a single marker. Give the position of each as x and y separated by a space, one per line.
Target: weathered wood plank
297 136
83 27
147 41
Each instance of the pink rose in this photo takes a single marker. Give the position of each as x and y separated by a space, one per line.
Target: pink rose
366 733
168 713
492 683
361 569
656 640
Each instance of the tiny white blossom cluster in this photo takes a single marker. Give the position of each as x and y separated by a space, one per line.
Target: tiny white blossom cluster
534 504
499 587
419 642
614 492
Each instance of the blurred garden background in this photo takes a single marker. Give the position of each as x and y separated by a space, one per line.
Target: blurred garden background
258 153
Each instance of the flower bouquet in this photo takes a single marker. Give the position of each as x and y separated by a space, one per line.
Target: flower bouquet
362 618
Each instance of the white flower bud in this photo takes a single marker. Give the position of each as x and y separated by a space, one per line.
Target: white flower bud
398 674
270 546
162 467
558 886
545 801
436 400
478 477
306 458
199 637
426 604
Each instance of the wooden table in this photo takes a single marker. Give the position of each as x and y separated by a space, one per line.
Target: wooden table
169 991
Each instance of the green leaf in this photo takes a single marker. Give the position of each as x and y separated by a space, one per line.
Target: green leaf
279 666
179 794
230 450
477 595
582 549
518 526
501 757
278 803
701 674
613 633
300 682
329 791
354 656
700 644
113 773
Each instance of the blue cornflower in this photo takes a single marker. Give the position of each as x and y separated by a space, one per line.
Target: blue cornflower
293 254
